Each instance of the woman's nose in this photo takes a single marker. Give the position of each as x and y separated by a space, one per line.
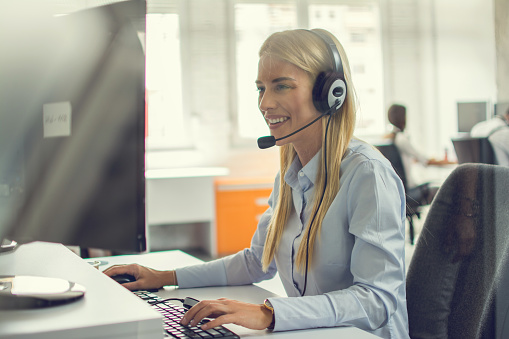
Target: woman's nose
266 102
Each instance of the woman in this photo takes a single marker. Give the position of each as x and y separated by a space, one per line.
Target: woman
347 269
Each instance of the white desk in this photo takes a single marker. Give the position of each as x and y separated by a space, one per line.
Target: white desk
167 205
249 293
109 310
106 311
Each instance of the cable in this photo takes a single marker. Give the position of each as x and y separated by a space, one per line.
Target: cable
316 211
165 300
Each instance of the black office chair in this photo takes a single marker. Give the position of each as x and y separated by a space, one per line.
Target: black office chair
473 150
458 276
413 202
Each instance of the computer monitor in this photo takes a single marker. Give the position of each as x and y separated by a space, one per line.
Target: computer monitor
501 108
72 127
470 113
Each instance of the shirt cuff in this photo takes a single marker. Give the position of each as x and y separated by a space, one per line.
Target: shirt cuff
301 313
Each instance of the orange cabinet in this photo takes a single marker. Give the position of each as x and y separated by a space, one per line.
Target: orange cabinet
239 205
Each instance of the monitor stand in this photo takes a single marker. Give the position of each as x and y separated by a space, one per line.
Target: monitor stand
8 246
27 292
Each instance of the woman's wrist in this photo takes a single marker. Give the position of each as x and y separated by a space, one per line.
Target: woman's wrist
268 309
169 278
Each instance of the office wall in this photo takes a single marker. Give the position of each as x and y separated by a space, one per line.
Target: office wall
465 57
437 53
502 48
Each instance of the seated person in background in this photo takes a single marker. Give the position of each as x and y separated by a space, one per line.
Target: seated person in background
334 229
497 132
423 193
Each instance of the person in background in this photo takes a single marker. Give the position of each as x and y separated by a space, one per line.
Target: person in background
424 192
334 229
497 132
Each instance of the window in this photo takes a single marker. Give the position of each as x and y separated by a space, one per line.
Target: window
167 127
358 29
253 24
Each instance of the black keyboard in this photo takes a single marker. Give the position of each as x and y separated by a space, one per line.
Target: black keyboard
172 314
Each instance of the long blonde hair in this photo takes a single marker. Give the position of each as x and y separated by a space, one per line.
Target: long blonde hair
308 51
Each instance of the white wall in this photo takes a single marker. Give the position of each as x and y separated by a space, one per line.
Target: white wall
466 62
438 53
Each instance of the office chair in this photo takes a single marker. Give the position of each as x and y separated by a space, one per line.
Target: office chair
473 150
413 206
458 276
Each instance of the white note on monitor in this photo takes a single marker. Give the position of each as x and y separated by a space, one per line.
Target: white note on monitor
57 119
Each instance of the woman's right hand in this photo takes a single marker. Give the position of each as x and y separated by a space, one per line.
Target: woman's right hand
146 278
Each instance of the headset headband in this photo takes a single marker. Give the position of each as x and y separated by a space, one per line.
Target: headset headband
333 51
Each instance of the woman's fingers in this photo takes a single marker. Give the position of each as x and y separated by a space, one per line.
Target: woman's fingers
121 269
225 311
199 311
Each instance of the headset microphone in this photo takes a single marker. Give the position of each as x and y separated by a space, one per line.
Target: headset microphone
269 141
266 142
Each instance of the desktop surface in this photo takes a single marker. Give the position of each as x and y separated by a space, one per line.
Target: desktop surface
110 311
106 311
248 293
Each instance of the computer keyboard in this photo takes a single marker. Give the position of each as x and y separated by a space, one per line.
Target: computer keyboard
172 314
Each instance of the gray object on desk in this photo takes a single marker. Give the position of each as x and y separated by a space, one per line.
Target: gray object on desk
473 150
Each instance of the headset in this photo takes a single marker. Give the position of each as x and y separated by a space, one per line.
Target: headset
329 90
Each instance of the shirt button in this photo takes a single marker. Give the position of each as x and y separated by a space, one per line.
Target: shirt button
301 174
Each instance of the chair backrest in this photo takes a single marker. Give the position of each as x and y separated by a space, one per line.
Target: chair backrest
473 150
467 298
391 152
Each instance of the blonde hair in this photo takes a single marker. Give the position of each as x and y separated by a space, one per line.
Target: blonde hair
308 51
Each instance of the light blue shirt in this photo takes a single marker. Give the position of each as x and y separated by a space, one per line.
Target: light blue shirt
358 273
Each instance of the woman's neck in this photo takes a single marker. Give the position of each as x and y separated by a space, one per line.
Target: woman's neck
307 153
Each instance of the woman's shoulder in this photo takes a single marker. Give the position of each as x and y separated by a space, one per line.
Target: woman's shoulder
362 154
363 160
361 151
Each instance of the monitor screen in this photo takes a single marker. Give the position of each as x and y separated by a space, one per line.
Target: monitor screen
72 128
501 108
470 113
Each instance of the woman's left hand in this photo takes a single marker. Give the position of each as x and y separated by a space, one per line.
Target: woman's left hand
226 311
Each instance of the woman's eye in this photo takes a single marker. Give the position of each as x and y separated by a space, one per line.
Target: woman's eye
281 87
260 89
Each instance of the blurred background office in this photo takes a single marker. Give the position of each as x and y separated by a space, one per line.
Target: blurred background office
435 57
202 62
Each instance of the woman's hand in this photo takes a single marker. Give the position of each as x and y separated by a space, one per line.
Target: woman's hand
146 278
226 311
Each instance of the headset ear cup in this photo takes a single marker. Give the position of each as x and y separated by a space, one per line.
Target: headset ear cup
319 95
337 93
328 88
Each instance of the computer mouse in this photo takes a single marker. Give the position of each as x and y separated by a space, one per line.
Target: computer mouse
123 278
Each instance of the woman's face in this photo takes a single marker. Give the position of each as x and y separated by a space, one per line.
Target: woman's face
285 100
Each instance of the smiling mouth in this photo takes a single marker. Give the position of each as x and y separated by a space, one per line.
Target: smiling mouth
277 121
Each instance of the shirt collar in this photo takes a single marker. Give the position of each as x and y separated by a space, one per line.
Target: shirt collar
310 171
